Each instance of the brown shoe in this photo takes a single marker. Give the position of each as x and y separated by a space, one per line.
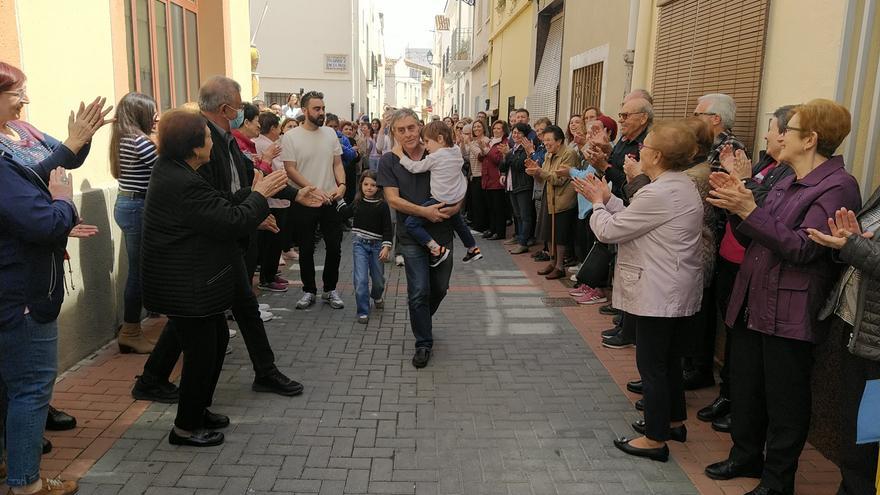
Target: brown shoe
131 339
547 269
510 242
55 486
519 250
556 273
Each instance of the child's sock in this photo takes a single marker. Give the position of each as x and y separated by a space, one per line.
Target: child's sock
434 247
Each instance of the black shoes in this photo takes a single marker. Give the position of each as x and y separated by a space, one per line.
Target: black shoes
697 379
435 260
634 386
727 470
660 454
617 320
678 433
47 447
763 490
719 407
147 388
214 421
202 438
608 310
611 332
59 421
277 383
617 342
640 405
722 424
421 358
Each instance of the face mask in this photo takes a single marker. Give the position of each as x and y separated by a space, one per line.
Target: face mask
238 120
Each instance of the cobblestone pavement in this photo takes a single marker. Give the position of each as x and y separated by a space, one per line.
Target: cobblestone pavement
512 402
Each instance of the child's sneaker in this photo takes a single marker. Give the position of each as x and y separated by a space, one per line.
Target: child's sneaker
472 256
440 257
363 319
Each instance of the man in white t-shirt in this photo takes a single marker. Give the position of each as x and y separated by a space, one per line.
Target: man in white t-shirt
312 157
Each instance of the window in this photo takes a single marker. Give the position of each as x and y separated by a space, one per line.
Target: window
586 88
706 47
162 42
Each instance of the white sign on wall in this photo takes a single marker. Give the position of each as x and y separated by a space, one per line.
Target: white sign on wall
335 63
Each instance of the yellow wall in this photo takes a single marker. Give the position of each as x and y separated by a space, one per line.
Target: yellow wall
9 49
590 24
240 43
509 49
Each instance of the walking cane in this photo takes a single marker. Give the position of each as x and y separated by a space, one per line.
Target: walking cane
551 207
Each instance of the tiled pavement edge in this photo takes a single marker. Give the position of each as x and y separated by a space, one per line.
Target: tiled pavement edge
512 402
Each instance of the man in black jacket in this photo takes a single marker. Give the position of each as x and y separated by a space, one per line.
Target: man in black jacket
230 172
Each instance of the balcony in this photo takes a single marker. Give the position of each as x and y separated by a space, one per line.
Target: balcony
461 50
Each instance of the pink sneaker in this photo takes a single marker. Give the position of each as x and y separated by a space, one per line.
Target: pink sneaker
580 290
273 287
592 297
281 281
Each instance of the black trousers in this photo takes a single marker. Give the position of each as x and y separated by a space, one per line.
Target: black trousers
497 199
858 463
203 341
246 310
306 223
583 238
725 276
699 351
771 402
271 245
479 207
658 357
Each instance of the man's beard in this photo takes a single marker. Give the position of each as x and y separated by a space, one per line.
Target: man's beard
319 121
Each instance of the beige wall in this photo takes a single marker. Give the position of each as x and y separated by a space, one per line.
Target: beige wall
593 29
510 45
9 48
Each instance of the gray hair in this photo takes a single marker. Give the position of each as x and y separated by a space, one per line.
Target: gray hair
646 107
216 92
467 128
401 114
641 93
721 105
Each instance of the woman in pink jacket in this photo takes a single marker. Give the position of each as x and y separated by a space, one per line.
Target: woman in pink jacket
658 275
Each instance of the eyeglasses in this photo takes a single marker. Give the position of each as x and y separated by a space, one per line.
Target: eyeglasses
643 146
790 128
625 115
20 93
697 114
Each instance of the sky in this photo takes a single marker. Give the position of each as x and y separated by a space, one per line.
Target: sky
409 23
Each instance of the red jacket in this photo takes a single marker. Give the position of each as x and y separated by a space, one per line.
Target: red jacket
250 150
491 174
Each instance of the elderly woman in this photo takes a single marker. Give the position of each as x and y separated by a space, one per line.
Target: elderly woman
853 309
36 216
190 233
780 288
560 196
658 275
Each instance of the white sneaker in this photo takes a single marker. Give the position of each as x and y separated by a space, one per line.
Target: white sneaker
305 301
574 269
379 303
266 315
264 307
574 278
398 260
232 332
333 298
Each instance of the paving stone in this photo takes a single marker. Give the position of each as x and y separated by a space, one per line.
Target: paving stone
513 402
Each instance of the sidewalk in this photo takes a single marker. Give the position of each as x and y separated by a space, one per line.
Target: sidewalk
519 398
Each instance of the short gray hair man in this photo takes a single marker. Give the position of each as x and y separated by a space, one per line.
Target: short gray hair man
721 105
216 92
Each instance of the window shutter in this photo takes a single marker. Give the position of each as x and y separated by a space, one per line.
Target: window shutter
710 46
542 102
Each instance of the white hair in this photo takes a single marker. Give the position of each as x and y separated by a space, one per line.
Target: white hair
721 105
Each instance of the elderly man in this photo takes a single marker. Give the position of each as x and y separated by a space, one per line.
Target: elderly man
719 111
230 172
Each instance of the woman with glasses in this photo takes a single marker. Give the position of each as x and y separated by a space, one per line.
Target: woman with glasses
658 275
132 155
780 287
36 215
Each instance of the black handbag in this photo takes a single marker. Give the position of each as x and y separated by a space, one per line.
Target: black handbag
596 269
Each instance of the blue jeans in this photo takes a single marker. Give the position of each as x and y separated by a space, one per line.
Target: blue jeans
425 288
367 267
28 366
416 228
374 163
129 213
524 212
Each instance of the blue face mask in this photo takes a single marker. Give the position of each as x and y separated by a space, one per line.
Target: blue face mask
239 119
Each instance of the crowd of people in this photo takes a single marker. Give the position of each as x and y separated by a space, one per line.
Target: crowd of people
671 221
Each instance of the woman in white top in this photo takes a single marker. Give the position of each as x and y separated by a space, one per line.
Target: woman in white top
292 109
658 275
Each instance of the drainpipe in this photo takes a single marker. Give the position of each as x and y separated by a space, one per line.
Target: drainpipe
629 56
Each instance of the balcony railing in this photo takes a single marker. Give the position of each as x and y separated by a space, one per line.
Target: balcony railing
461 50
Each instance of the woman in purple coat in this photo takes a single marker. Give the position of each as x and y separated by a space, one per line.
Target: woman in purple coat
774 306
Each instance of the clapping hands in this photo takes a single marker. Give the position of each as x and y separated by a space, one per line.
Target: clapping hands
83 124
729 193
842 226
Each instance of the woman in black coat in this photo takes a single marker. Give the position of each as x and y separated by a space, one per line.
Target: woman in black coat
189 244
